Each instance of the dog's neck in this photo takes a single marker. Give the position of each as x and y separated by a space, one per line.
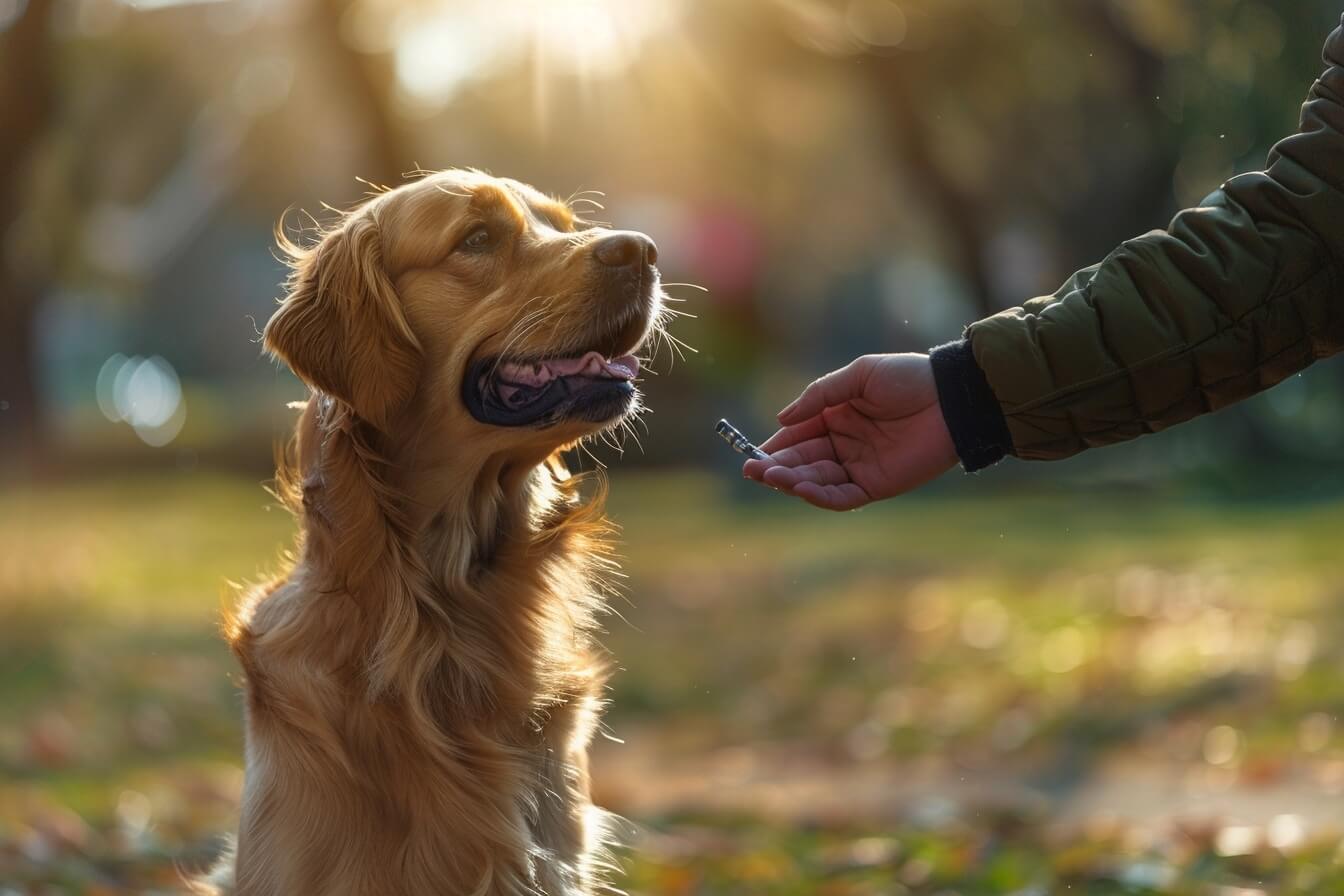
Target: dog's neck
509 549
362 497
414 547
461 523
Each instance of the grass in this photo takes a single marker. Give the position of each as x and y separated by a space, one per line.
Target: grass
1095 693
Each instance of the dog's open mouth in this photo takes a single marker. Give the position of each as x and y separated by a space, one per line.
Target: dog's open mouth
591 387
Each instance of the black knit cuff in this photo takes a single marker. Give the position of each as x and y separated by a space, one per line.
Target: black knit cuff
970 409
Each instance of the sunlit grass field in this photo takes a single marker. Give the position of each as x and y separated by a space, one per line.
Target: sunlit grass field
1093 693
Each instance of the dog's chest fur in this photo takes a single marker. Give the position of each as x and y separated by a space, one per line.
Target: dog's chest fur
453 761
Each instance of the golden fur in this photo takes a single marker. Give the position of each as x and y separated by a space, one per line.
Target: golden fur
422 684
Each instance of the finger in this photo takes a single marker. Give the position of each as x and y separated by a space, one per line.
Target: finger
755 469
836 387
826 472
756 476
807 452
792 435
847 496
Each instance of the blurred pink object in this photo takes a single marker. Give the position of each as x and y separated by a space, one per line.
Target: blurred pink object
725 251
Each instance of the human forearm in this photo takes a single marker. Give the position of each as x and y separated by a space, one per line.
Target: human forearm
1236 295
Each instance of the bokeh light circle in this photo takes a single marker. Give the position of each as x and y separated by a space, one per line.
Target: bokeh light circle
144 393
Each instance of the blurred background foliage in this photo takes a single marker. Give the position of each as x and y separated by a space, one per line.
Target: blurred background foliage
841 176
1005 685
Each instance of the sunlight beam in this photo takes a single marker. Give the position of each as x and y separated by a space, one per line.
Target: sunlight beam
582 39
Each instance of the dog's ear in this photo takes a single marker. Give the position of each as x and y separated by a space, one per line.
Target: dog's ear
340 327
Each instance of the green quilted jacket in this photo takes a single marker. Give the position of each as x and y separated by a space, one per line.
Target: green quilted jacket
1233 297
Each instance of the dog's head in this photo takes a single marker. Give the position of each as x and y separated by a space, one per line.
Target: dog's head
473 304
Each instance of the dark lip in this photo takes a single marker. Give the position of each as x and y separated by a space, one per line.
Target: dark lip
573 398
589 399
566 398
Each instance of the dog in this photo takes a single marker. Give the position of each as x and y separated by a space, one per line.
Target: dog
422 684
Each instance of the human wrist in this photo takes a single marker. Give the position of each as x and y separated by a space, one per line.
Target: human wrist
970 410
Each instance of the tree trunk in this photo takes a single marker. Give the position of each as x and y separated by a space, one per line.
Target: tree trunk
960 215
25 109
1145 198
22 420
367 94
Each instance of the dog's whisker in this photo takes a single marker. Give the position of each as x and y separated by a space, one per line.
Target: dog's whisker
608 438
682 345
519 335
640 445
522 328
525 316
586 201
673 353
583 446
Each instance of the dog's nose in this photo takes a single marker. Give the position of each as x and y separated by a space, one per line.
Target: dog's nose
624 248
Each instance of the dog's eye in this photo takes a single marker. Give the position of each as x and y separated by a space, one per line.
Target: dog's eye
478 239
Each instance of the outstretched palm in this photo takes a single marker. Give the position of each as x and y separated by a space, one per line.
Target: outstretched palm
868 431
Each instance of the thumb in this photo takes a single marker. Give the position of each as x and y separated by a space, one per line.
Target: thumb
835 388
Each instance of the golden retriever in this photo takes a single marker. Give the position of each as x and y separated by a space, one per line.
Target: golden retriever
422 684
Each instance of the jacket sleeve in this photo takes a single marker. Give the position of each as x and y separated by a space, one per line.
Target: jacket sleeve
1233 297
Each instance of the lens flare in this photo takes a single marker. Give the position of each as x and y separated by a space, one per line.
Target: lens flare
438 53
144 393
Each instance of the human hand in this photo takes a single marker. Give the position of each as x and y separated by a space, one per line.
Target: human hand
872 429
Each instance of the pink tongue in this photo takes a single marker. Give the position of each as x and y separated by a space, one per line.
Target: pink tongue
626 367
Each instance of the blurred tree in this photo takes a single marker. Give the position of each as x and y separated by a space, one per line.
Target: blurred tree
365 79
1147 199
106 160
958 212
26 104
914 85
952 136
